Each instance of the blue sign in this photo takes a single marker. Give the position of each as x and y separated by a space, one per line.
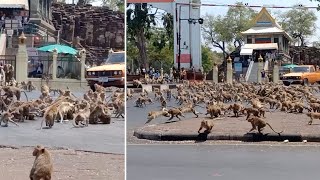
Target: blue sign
238 67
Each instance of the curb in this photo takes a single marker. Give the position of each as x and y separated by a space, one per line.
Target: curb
252 137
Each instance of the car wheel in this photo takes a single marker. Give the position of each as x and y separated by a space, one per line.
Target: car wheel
286 83
305 82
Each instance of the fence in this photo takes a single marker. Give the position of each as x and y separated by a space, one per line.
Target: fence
39 66
9 59
68 67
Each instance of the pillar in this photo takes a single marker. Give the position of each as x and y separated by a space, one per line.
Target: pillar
275 74
54 64
229 70
215 73
83 64
22 60
161 72
260 68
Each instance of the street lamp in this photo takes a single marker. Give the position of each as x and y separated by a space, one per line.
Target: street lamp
190 21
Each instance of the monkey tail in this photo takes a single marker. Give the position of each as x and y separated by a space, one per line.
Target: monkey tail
25 95
273 129
13 122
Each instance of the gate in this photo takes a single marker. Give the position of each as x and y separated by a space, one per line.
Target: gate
9 59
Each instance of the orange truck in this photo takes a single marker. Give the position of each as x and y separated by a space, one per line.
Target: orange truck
302 74
111 73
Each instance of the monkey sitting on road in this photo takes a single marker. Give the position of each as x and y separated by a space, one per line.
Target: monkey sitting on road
213 110
42 167
206 124
175 112
259 124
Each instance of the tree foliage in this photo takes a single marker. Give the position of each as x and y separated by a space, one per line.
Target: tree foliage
209 57
299 23
221 30
116 5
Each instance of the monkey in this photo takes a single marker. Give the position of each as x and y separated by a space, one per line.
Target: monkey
63 108
81 119
99 88
30 86
313 115
258 123
164 104
11 91
42 167
250 111
213 110
169 94
98 113
50 115
45 91
206 124
175 112
236 109
188 109
154 114
137 83
315 107
120 110
6 118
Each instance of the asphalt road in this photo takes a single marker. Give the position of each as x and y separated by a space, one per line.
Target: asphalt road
223 162
98 138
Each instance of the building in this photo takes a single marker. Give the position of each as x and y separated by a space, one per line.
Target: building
266 38
15 13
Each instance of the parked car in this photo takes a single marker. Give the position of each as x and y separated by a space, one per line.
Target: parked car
110 73
302 74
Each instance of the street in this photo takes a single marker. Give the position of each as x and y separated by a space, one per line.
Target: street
96 138
220 161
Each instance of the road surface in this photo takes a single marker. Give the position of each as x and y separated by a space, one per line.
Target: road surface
223 162
107 138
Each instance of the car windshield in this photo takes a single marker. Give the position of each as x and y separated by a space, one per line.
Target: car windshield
115 58
301 69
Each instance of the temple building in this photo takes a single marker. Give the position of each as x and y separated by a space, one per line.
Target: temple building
266 38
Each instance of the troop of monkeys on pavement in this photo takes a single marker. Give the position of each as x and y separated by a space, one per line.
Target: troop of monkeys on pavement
250 99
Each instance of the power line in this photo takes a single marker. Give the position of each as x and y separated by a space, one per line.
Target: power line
300 6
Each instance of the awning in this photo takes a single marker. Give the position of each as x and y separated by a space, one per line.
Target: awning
246 52
19 4
262 46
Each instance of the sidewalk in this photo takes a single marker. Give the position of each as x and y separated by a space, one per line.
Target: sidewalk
294 126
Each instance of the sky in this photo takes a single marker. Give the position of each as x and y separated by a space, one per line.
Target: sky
223 10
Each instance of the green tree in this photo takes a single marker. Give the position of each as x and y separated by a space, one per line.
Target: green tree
299 23
138 28
209 57
218 31
116 5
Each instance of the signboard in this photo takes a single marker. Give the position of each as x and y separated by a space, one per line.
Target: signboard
238 67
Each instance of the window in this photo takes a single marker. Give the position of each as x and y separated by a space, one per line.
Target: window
249 40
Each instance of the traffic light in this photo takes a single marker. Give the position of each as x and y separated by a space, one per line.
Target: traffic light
200 20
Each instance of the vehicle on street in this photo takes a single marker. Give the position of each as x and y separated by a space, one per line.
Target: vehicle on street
302 74
110 73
